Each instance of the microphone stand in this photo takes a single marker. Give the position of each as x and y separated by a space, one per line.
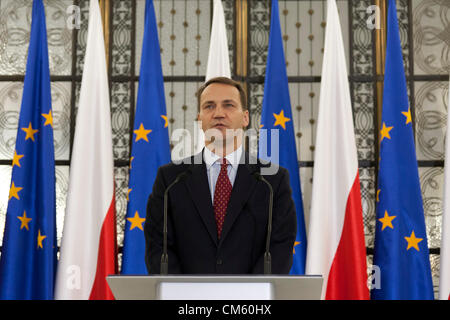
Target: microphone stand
164 268
267 256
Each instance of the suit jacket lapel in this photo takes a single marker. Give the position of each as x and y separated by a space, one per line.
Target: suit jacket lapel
197 184
198 187
242 188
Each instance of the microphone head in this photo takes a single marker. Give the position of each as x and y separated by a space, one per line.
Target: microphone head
257 175
183 175
187 173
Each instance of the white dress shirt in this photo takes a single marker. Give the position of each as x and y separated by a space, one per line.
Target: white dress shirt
213 162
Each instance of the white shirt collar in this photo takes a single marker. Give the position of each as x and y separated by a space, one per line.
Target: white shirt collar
232 158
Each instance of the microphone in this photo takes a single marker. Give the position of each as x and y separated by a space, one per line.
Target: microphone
267 256
164 268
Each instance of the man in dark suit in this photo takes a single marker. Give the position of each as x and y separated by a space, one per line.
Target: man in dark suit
218 211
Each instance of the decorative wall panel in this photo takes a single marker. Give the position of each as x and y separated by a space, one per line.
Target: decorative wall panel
10 101
61 97
431 28
120 114
122 42
431 182
363 60
15 25
431 107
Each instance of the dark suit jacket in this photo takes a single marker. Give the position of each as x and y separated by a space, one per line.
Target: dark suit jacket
193 245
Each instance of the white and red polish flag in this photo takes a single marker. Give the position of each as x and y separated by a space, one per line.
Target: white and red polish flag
218 60
218 56
336 245
88 246
444 277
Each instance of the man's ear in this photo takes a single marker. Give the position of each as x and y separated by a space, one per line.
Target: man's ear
246 119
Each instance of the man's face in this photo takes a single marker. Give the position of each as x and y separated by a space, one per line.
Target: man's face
221 109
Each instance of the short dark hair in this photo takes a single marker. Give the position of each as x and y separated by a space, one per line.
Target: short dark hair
223 80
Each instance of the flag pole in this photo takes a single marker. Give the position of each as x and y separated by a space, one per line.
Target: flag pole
105 11
241 39
380 55
242 52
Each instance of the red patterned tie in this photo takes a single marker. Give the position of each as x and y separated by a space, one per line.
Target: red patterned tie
222 194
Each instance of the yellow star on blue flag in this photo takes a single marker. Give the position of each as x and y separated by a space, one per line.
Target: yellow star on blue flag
401 249
276 124
148 156
28 259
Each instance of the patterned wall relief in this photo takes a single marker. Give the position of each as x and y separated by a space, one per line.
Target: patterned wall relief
10 101
228 8
431 105
61 188
259 27
120 111
15 24
368 197
184 30
181 106
431 36
82 36
431 182
435 262
363 62
362 93
121 177
364 120
121 33
404 26
61 96
303 26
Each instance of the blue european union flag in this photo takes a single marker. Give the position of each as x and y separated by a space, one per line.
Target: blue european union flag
150 146
277 114
28 260
401 250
